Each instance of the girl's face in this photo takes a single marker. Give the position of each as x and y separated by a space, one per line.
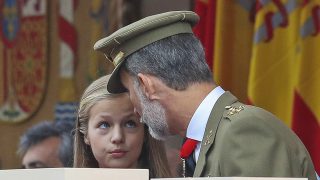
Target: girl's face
114 133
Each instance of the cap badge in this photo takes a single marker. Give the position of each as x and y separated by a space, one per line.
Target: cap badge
118 58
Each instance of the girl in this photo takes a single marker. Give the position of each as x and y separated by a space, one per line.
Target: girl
109 134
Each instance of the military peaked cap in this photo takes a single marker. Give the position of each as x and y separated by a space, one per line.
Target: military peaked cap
137 35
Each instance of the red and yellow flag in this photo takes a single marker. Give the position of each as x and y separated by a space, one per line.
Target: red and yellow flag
306 112
234 28
204 30
285 67
266 52
225 30
271 78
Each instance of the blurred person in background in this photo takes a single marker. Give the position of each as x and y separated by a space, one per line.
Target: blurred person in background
47 145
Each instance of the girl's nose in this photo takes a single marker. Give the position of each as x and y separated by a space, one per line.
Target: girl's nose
117 135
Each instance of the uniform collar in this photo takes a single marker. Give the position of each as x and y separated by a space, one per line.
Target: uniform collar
200 118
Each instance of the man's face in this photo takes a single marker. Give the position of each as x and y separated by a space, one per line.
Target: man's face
128 84
151 112
43 155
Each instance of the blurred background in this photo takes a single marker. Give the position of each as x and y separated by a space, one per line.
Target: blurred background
266 52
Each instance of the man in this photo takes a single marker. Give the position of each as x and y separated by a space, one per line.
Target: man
162 65
47 145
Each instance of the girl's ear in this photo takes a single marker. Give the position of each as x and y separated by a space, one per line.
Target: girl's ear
86 140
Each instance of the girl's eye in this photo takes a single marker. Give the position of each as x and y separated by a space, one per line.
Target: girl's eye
131 124
104 125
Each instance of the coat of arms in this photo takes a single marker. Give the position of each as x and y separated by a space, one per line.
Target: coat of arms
23 58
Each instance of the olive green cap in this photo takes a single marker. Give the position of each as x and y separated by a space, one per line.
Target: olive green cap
137 35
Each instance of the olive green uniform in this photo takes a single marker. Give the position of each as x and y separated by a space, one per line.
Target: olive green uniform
243 140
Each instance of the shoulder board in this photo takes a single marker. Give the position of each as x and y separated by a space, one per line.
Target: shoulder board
233 110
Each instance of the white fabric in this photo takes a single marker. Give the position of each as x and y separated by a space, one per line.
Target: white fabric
197 125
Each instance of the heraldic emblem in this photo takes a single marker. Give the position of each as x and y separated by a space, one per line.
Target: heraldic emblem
23 58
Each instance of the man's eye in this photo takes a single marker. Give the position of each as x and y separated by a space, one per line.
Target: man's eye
104 125
131 124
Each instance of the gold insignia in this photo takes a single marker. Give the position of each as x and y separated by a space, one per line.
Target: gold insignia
234 110
118 58
207 142
208 138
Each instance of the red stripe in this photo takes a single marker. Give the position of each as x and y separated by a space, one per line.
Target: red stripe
201 9
305 2
269 26
258 6
5 73
316 19
68 33
204 30
306 126
209 34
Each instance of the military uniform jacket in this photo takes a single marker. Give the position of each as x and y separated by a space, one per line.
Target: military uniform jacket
247 141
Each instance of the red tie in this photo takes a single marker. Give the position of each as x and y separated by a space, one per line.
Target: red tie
188 147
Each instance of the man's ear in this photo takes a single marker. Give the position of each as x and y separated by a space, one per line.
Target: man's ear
147 83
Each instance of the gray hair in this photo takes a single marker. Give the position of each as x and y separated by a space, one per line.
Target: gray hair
178 61
44 130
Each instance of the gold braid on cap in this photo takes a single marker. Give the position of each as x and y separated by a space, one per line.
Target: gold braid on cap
118 58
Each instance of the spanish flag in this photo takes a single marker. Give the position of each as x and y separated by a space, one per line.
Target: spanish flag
225 30
233 42
306 112
271 78
266 52
204 30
